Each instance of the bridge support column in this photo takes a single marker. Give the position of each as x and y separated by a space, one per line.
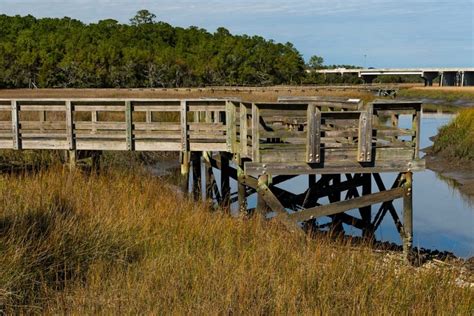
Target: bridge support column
467 78
448 78
429 77
368 79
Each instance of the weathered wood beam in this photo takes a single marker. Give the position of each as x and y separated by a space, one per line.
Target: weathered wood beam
274 204
343 206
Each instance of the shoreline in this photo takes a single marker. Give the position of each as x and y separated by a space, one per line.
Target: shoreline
460 172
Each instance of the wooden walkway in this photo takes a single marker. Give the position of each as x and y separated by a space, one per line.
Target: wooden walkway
258 144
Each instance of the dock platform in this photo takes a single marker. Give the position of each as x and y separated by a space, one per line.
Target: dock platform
341 145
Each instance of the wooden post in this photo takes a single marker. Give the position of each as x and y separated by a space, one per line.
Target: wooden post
94 117
261 205
313 134
255 133
129 123
408 214
241 187
231 126
243 130
225 180
72 157
197 187
16 125
416 128
42 119
184 157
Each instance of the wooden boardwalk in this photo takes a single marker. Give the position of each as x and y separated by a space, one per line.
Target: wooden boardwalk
341 145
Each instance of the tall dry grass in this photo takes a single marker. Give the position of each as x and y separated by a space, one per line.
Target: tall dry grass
123 242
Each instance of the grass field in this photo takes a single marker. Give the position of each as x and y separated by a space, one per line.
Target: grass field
124 242
448 94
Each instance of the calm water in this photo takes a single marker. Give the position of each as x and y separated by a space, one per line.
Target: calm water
443 219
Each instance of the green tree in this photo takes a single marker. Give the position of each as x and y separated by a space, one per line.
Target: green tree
143 17
316 62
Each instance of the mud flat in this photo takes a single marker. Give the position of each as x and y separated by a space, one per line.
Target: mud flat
461 172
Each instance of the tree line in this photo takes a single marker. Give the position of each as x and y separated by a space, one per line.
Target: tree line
53 52
67 53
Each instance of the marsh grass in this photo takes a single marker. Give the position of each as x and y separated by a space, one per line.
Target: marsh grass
456 140
124 242
448 94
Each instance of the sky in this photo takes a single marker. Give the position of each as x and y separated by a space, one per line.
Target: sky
369 33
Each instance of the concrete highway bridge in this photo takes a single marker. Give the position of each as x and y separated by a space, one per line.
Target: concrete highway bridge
449 76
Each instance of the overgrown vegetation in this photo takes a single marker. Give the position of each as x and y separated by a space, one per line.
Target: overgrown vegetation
456 140
125 242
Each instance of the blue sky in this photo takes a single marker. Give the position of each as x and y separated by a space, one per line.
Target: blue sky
390 33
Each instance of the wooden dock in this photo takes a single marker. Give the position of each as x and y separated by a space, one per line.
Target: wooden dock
341 145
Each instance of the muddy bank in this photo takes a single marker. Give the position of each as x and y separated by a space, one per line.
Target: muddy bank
460 172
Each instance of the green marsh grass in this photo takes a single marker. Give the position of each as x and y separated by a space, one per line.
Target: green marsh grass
456 140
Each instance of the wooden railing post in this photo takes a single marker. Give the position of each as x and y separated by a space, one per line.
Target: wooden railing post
185 157
231 126
255 133
313 144
243 130
129 124
16 125
416 128
70 126
364 150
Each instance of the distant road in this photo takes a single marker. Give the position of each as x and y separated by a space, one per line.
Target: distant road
449 76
